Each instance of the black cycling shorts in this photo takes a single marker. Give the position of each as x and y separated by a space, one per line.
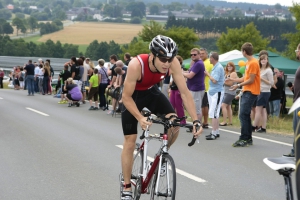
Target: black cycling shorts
153 99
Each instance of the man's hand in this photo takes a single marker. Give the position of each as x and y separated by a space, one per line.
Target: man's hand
199 131
144 123
234 87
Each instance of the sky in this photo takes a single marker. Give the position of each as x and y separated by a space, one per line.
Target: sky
270 2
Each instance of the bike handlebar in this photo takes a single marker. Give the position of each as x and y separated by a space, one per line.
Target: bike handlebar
169 122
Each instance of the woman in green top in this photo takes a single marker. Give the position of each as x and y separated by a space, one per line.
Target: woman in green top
93 90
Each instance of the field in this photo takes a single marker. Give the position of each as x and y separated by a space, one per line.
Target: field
83 33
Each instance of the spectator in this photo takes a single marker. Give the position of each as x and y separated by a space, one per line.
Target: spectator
103 79
41 78
1 78
81 74
21 78
165 85
251 89
175 97
228 94
208 67
62 77
16 74
74 94
113 60
291 86
215 94
127 58
266 82
75 72
87 68
195 80
276 95
30 77
36 77
93 90
50 77
47 75
283 109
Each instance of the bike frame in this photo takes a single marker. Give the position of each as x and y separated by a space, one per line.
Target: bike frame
147 176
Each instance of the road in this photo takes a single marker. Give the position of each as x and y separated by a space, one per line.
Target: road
50 151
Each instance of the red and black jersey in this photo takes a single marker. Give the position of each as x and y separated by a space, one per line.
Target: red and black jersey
148 78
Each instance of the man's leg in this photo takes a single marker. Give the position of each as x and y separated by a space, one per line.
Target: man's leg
205 109
245 110
127 157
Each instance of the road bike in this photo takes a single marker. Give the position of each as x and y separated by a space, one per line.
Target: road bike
157 178
286 165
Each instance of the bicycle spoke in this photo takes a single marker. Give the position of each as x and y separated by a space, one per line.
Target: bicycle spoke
165 180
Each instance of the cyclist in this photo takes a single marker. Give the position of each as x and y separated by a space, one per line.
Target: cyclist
140 90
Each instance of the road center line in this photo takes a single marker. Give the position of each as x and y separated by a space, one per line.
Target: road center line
260 138
178 171
36 111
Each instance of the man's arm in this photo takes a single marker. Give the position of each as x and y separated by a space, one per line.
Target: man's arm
133 75
189 75
247 82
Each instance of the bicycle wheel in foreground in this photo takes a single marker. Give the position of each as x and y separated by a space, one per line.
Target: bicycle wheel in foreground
165 180
137 170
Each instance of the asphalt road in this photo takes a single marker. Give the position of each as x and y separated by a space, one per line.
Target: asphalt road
50 151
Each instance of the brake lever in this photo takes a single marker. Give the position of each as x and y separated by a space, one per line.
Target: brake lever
194 139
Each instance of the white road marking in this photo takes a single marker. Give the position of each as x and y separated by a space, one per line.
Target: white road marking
260 138
36 111
1 98
179 171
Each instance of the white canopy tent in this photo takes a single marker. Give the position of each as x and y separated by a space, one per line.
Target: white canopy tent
230 55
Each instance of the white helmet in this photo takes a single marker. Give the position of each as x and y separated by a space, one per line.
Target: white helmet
163 46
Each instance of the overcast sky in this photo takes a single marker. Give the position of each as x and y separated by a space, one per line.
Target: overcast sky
270 2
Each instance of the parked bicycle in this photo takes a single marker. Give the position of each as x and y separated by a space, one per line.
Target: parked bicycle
157 178
285 165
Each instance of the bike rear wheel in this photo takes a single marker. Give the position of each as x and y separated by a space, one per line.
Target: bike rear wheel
165 180
137 169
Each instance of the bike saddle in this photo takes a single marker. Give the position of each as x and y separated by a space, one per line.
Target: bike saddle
280 163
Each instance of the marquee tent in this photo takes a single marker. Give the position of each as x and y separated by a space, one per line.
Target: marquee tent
277 61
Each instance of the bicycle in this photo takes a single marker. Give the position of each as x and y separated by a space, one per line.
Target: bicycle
285 165
157 178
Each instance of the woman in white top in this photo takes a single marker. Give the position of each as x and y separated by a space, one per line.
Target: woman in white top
266 82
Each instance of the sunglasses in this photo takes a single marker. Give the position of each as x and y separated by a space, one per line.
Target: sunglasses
193 54
165 59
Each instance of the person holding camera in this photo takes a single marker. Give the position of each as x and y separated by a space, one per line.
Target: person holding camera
74 94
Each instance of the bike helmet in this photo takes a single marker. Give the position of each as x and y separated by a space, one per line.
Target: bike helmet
163 46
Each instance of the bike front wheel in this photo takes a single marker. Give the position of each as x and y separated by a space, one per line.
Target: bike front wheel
136 173
164 182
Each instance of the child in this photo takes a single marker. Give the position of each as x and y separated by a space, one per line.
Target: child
93 90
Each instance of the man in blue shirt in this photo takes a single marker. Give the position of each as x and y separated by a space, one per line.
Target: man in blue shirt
215 94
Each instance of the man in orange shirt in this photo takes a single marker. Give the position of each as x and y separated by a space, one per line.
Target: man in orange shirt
251 89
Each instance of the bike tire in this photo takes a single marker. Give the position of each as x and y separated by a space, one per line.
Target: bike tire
137 169
163 192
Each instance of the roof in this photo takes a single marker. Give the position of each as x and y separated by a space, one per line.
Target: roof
277 61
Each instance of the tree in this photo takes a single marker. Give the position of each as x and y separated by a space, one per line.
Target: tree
235 38
154 9
151 30
136 13
5 27
185 39
136 46
32 23
92 50
278 6
18 23
135 20
293 38
5 14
